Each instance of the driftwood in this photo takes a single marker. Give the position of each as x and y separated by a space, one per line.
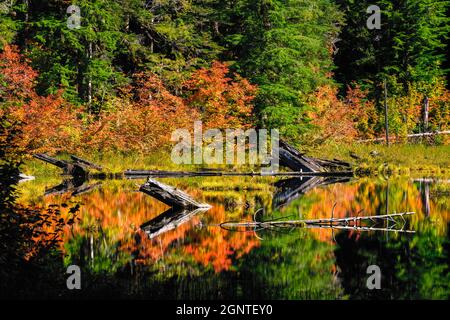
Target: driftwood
85 163
78 168
73 169
297 161
139 174
23 178
363 223
170 196
413 135
169 220
142 174
289 157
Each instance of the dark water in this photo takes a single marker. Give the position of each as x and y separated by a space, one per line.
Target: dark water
129 245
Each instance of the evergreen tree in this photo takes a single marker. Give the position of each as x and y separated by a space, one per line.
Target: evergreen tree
116 38
410 45
286 48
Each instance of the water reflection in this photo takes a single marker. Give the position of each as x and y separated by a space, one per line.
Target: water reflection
126 248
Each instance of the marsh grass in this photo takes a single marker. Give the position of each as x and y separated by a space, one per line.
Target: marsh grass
402 159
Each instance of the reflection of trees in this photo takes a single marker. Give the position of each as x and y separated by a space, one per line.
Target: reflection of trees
371 197
413 267
290 266
197 261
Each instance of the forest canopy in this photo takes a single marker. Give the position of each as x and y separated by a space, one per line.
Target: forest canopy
132 71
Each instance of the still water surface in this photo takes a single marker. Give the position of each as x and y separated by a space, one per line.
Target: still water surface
125 247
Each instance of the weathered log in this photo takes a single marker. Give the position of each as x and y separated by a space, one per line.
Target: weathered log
295 160
72 169
23 178
59 163
170 196
85 163
163 173
413 135
335 163
359 223
143 174
169 220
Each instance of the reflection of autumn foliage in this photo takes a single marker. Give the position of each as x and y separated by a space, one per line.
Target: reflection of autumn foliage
112 216
35 230
120 213
216 246
369 198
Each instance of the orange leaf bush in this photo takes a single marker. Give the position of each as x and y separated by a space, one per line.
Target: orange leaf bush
140 120
223 102
48 124
339 119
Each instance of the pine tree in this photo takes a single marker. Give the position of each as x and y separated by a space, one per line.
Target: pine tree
286 48
116 38
410 45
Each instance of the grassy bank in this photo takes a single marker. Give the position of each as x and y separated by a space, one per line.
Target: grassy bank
373 159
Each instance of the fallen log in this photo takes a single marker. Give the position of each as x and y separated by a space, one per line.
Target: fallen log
78 168
163 173
297 161
170 196
413 135
359 223
59 163
72 169
85 163
142 174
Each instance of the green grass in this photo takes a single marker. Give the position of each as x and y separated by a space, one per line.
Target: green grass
395 159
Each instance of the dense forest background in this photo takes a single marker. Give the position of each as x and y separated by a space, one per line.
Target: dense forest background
136 70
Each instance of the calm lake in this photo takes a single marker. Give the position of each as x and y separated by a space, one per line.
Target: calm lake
129 245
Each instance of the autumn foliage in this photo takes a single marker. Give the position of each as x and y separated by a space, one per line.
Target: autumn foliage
140 120
48 122
222 101
342 119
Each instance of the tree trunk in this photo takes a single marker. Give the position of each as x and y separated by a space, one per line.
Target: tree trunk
426 104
